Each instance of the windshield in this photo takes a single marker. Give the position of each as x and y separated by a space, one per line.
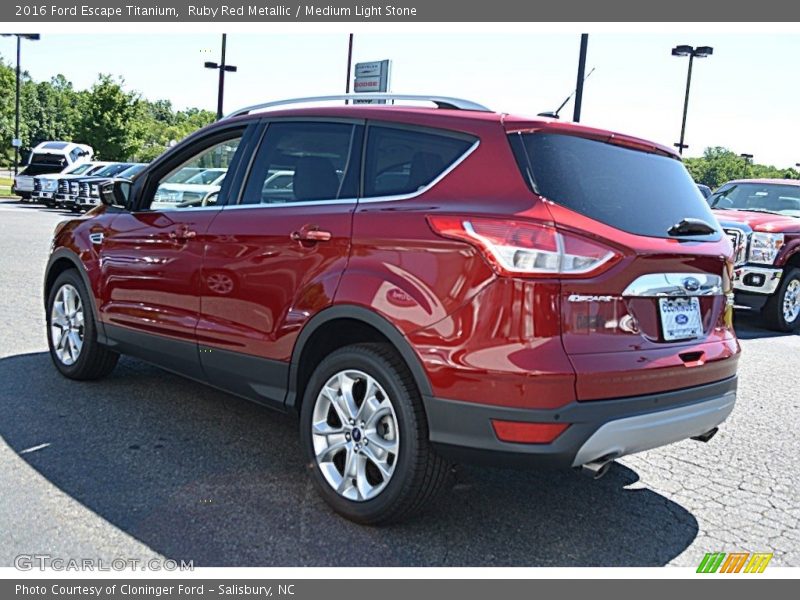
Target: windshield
111 170
759 197
132 171
632 190
78 169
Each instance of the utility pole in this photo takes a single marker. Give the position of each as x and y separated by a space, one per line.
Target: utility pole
349 66
576 115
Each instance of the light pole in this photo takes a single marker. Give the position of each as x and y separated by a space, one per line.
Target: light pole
17 142
748 160
692 53
222 67
576 113
349 65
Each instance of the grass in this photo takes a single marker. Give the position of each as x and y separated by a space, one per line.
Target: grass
5 186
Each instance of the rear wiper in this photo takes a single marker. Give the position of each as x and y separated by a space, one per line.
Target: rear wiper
690 226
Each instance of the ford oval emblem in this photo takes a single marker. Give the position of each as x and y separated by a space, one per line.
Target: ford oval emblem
691 284
681 319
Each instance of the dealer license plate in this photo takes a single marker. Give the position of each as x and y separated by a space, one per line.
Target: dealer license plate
680 318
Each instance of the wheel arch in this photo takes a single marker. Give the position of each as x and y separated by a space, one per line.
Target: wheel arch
340 326
62 260
793 262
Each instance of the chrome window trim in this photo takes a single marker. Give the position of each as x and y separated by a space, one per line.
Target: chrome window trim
656 285
422 190
291 204
176 209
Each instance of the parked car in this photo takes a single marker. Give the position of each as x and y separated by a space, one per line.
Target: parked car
520 291
88 195
181 175
45 187
49 157
762 218
69 191
705 190
195 191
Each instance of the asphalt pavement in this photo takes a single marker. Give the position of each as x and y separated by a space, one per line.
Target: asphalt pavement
147 464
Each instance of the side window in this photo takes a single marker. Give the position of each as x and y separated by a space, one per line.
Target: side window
401 161
75 154
198 180
304 161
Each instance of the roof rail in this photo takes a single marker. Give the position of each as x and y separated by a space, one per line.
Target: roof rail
439 101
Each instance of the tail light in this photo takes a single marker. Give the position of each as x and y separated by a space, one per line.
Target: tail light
527 248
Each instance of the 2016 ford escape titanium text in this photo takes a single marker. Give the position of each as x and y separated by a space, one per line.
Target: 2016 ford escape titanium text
420 285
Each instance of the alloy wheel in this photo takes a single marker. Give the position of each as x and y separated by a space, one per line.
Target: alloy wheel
67 324
791 301
355 435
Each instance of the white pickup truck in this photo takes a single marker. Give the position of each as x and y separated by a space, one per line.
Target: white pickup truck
49 157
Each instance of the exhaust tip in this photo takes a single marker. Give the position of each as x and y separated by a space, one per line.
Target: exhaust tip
596 469
705 437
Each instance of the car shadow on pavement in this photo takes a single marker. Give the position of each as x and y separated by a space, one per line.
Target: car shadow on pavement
750 326
198 475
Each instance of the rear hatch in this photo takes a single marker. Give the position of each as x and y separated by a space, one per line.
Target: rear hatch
657 317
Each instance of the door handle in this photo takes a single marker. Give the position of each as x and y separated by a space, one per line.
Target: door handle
182 234
310 234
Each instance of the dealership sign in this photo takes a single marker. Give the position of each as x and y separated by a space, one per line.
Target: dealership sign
372 77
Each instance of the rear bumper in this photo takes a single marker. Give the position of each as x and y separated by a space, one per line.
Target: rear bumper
598 429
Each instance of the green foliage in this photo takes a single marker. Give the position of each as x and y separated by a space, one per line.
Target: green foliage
117 123
160 133
718 165
110 119
7 83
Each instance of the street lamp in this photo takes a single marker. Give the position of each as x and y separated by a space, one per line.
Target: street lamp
223 68
748 160
17 142
692 53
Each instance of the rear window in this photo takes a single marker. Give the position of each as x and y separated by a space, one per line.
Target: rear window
403 161
41 163
42 158
635 191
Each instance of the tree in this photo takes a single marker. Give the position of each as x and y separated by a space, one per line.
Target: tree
160 132
117 123
7 94
718 165
110 120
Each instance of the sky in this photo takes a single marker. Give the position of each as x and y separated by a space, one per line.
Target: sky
745 97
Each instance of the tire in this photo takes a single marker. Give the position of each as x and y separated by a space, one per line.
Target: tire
416 472
91 360
782 310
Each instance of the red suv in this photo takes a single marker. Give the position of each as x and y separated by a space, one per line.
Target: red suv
420 285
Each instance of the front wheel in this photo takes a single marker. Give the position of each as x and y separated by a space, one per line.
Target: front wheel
364 431
72 331
782 311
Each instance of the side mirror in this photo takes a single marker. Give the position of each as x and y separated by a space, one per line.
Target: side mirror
115 192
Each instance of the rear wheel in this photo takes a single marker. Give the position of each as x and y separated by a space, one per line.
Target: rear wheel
782 311
72 331
364 431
